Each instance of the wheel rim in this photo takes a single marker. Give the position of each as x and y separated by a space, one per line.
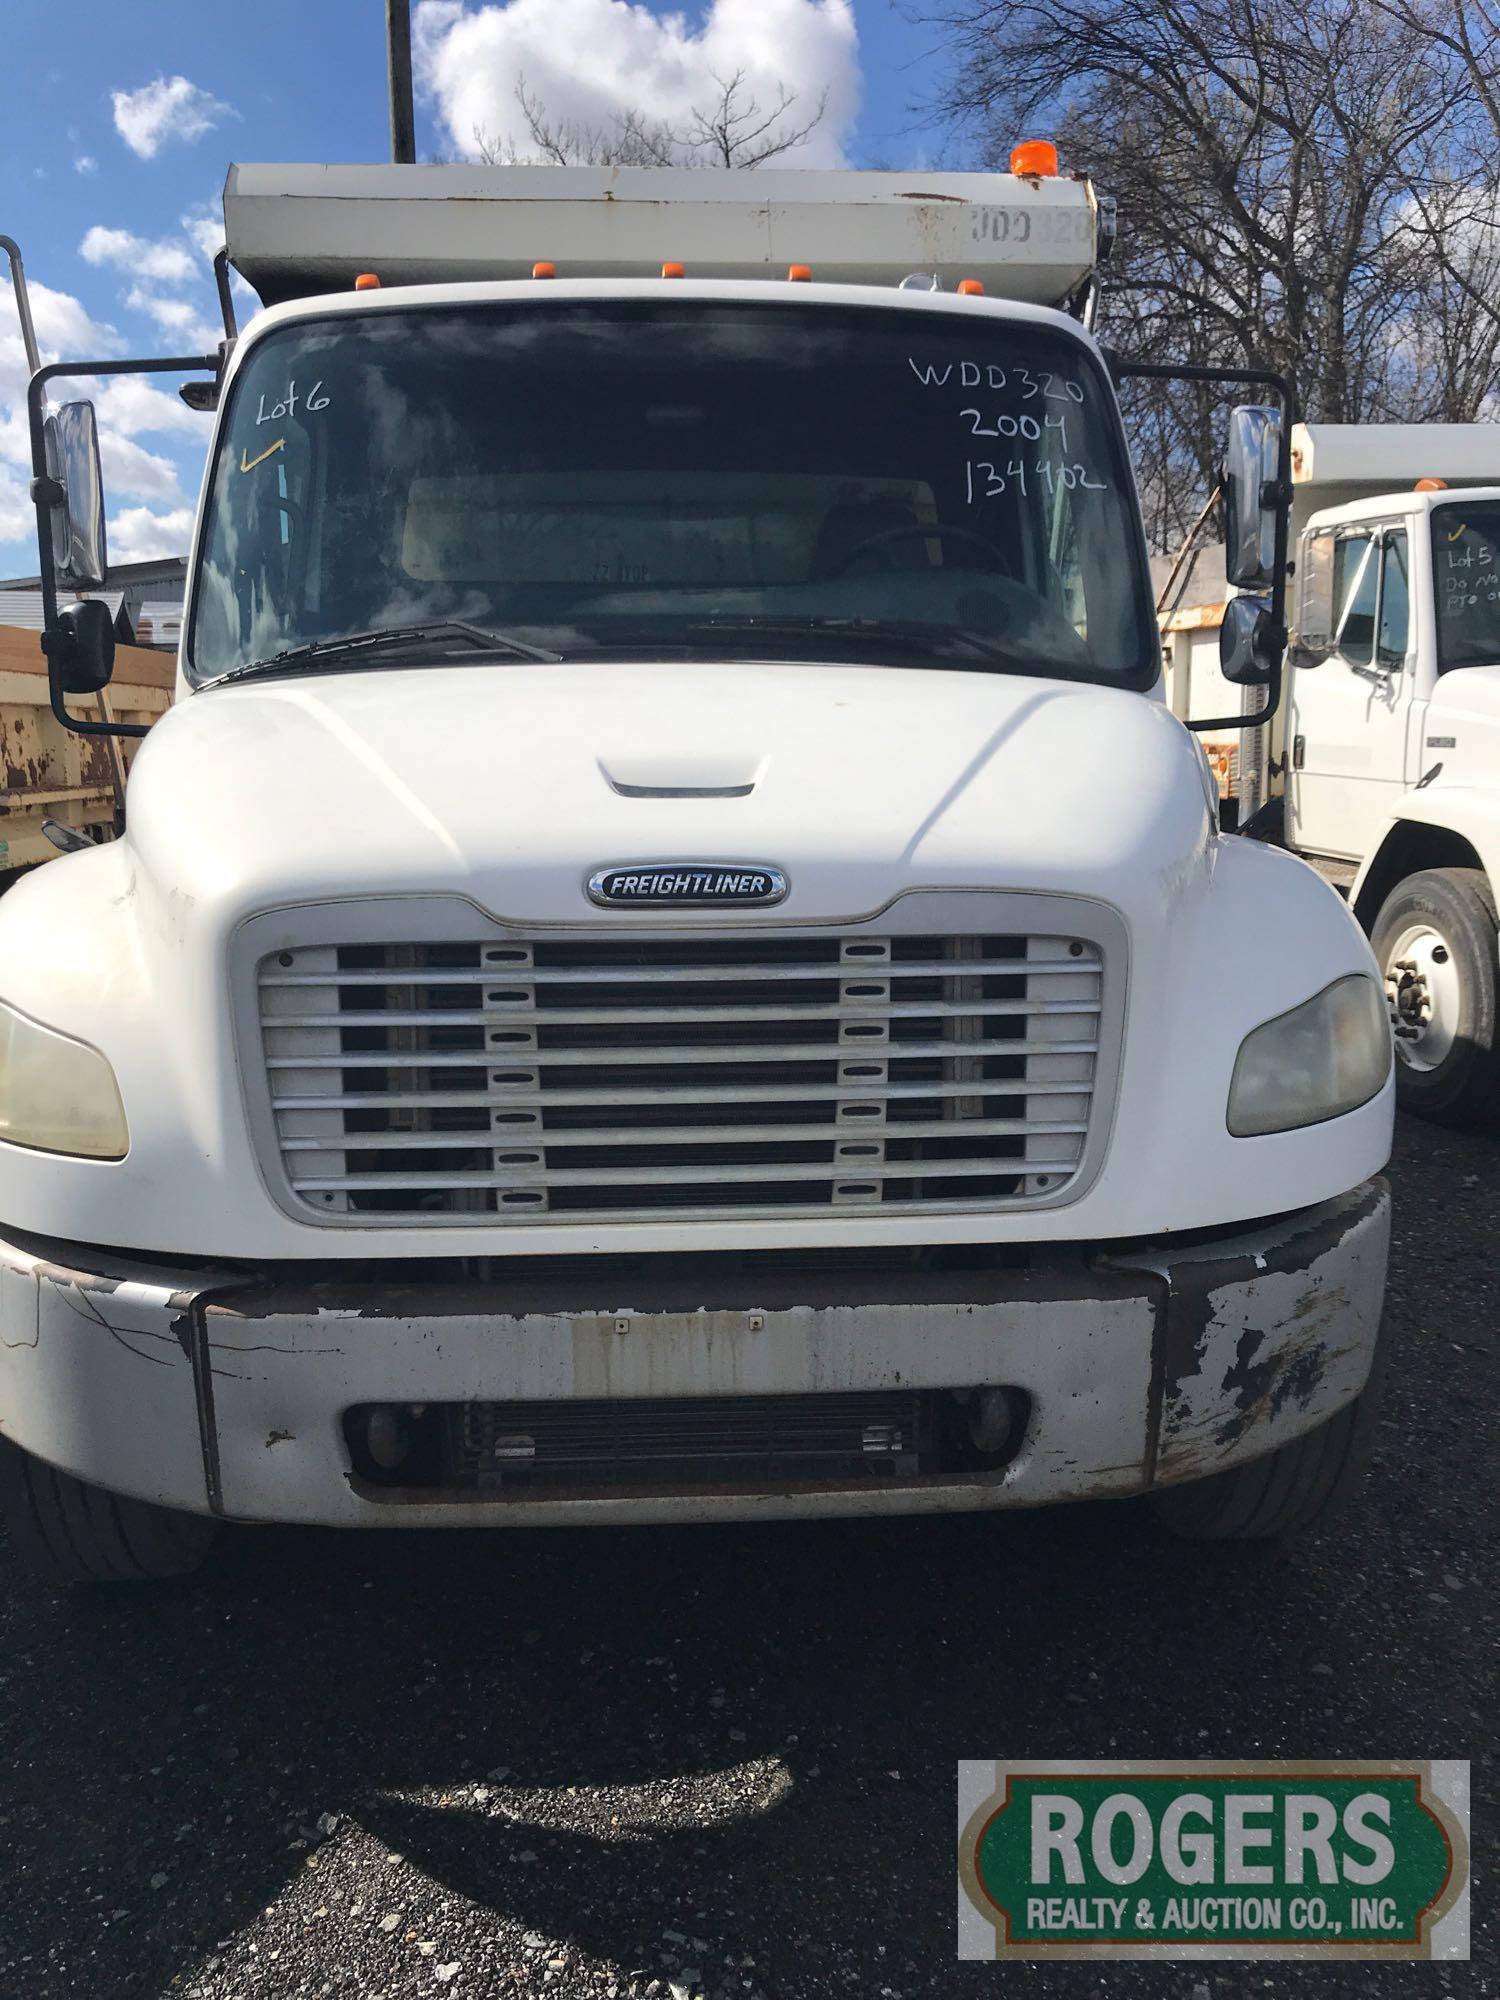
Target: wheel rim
1423 993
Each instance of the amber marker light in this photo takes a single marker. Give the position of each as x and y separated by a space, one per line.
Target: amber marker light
1034 159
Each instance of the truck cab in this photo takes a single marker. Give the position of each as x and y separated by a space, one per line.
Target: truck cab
627 992
1391 752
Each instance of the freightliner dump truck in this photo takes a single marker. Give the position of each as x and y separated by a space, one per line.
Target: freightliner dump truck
625 994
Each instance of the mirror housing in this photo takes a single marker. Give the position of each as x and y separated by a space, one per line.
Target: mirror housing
84 650
71 439
1304 658
1249 643
1251 497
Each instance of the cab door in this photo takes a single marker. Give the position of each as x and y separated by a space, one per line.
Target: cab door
1347 717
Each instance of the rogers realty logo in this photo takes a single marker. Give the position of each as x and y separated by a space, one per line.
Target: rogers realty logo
692 884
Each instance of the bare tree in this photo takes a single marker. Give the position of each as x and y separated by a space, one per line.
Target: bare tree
733 130
1273 161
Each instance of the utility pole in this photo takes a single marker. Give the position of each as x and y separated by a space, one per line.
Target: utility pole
403 119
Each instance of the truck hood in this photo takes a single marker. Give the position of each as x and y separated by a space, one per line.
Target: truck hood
1469 691
512 783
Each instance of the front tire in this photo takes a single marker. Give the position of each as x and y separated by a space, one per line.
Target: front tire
1291 1491
70 1533
1435 940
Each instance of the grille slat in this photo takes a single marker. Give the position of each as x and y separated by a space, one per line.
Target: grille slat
687 972
800 1074
522 1177
693 1135
849 1010
456 1100
484 1057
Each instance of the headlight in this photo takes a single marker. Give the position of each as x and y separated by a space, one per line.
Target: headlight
1325 1057
57 1095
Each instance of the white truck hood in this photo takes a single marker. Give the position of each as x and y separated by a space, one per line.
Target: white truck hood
1473 691
512 783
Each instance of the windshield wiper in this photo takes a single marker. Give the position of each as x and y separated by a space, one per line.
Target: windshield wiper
319 652
931 638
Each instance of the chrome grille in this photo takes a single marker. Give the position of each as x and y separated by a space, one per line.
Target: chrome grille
758 1074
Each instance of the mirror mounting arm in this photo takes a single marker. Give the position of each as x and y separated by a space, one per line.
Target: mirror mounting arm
1275 493
46 493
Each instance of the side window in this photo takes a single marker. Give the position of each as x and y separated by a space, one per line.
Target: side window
1356 574
1395 604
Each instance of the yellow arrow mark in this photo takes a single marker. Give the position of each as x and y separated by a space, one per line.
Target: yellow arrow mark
249 465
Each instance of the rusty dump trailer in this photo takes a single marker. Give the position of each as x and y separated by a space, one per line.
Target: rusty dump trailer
48 773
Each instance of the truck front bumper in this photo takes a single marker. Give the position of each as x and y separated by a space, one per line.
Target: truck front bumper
1135 1366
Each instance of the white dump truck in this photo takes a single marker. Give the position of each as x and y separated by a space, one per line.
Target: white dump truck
1390 754
626 994
1382 768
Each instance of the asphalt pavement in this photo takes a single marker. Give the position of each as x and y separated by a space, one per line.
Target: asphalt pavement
722 1760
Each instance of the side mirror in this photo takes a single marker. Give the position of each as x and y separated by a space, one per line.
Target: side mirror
85 652
72 447
1250 490
1249 643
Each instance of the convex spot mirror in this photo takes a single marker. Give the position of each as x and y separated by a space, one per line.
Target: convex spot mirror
86 656
71 438
1248 646
1313 639
1251 461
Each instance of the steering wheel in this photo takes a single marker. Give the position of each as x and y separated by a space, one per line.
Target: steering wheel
919 531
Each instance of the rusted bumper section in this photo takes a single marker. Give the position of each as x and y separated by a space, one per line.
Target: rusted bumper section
1264 1333
1146 1364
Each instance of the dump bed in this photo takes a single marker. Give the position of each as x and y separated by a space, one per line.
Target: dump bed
48 773
1336 464
297 230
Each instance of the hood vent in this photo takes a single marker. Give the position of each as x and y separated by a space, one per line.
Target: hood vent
654 775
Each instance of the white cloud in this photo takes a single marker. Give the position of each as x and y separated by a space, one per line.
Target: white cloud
63 331
135 407
85 164
130 469
169 108
127 407
136 534
591 61
17 515
162 258
190 331
205 228
157 266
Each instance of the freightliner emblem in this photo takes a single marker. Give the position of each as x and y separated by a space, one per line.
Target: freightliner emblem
699 884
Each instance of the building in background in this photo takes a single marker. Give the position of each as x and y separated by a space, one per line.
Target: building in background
145 599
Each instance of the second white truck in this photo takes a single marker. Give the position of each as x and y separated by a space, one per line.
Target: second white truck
1390 753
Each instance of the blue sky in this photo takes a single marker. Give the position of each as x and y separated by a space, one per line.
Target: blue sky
121 120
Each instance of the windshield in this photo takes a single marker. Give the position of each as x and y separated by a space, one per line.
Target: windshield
1466 584
703 477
